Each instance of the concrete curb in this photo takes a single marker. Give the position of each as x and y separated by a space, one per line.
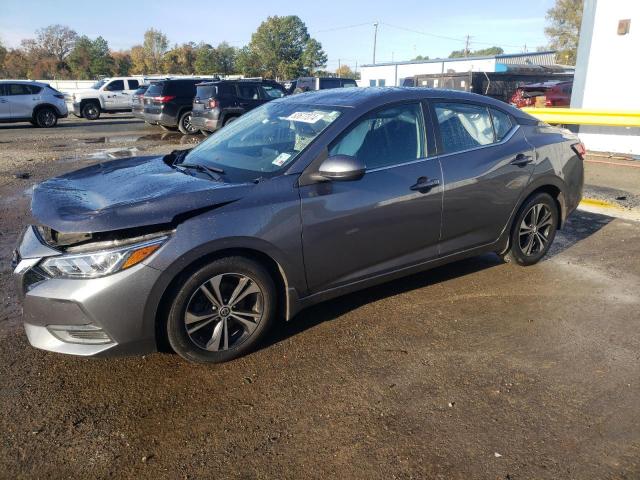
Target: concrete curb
610 209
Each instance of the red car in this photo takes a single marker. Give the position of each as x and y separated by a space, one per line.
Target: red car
556 93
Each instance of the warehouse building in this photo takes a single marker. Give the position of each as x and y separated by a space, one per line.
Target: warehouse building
394 73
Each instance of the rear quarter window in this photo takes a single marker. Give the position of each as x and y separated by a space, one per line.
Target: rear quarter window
155 89
502 123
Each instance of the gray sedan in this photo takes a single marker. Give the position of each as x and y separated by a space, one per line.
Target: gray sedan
299 201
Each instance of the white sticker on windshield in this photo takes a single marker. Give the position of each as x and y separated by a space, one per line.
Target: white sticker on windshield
306 117
281 159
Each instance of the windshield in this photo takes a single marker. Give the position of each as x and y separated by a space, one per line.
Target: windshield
265 140
100 83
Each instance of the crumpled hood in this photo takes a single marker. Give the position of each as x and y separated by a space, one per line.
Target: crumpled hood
133 192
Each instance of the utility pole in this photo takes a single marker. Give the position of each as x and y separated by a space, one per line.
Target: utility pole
375 39
339 65
466 46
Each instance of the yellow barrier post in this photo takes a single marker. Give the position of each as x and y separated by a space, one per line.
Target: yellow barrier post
575 116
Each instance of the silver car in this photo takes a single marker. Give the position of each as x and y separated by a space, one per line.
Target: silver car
299 201
34 102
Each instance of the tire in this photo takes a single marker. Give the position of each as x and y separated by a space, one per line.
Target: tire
533 230
91 111
200 315
185 126
45 117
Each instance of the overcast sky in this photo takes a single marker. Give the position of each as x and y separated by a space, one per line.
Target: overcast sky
345 27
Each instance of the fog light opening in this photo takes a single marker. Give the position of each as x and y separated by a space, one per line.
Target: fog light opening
83 334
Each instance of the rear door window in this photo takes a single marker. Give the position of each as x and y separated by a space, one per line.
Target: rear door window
133 84
154 90
19 89
463 126
329 83
248 92
502 123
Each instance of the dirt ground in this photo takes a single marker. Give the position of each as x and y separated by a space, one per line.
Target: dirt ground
474 370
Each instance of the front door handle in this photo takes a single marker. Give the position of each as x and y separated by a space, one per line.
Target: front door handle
521 160
424 184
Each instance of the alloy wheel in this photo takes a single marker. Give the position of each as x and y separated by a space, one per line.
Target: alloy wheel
224 311
535 229
46 118
188 126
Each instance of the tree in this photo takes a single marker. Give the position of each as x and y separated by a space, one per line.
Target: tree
56 41
313 56
121 63
225 56
3 54
205 63
421 57
564 30
483 52
154 47
90 58
344 71
15 64
281 48
138 60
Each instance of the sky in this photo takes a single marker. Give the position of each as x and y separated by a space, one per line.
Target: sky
407 28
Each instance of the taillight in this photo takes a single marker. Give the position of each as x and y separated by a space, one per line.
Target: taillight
579 149
213 103
164 98
549 103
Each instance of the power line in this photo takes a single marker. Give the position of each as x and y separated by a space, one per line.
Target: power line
341 28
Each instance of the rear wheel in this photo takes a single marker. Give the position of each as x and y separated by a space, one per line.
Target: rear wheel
221 311
91 111
533 230
46 117
185 126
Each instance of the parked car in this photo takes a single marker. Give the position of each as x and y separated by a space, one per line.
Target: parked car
301 200
137 101
34 102
168 103
109 95
220 102
555 93
307 84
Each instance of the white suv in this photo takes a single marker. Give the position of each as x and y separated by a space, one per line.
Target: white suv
26 101
110 95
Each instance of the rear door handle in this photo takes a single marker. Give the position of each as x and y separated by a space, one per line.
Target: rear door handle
521 160
424 184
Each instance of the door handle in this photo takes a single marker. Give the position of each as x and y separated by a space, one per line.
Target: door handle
521 160
424 184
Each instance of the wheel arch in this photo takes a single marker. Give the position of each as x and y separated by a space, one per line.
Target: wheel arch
40 106
168 287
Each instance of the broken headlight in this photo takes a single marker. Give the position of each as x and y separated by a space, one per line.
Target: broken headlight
99 263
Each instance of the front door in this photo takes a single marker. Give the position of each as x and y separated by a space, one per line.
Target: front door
116 97
486 164
5 106
388 219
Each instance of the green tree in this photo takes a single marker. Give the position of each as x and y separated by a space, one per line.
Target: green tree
421 57
154 46
3 54
281 48
483 52
225 56
344 71
121 63
138 60
205 63
90 58
564 30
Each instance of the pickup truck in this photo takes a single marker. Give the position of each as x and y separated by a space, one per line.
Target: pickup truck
109 95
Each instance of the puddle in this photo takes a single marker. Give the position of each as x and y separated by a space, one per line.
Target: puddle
102 154
173 137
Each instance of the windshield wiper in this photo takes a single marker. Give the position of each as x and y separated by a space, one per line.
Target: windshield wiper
211 171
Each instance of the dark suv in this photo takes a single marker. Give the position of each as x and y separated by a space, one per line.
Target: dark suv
168 103
307 84
220 102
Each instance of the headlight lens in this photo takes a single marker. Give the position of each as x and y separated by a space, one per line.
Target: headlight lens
101 263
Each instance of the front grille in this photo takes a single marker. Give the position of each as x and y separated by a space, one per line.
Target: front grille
31 278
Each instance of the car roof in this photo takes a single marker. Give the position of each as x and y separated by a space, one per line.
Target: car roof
28 82
371 97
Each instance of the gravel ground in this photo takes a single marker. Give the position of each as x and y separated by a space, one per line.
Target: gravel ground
474 370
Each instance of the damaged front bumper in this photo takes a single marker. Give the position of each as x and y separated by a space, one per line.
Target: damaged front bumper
91 317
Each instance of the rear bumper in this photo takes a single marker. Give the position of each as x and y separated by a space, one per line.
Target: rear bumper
207 122
138 113
160 119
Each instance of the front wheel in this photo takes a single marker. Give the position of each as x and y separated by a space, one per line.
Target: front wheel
533 230
221 311
91 111
185 126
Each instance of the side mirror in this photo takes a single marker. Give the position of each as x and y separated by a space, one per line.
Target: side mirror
341 168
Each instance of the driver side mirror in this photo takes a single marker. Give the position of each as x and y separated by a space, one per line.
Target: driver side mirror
341 168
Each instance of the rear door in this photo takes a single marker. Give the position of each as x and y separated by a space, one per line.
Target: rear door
23 98
390 218
249 96
486 164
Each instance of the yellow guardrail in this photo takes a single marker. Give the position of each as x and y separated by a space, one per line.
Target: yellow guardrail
578 116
